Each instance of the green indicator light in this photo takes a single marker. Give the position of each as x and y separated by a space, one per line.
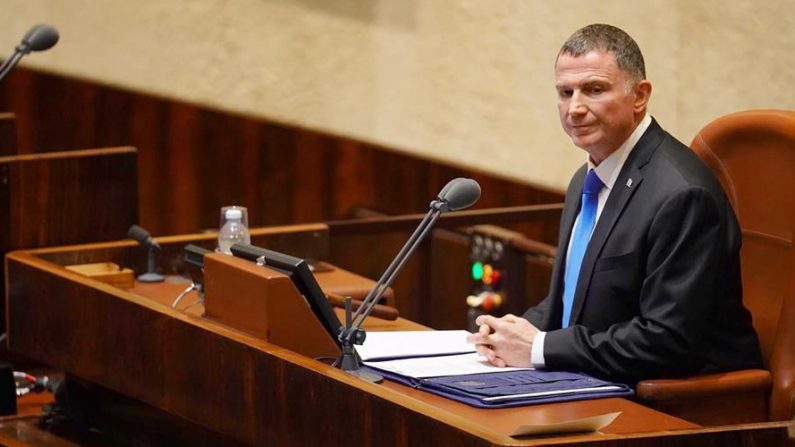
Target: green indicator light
477 271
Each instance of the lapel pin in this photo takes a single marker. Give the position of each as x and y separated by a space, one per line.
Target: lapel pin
629 183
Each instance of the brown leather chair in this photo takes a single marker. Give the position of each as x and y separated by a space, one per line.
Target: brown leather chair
753 156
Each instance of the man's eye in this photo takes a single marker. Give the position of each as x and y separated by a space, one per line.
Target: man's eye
565 93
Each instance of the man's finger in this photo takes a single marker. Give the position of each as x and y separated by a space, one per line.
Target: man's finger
484 330
484 350
487 320
477 339
492 357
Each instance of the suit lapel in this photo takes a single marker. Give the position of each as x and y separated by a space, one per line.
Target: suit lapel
628 181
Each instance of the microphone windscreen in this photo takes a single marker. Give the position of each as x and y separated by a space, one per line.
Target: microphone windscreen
462 194
446 189
139 234
39 38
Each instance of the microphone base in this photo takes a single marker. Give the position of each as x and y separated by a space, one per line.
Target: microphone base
350 362
151 277
367 376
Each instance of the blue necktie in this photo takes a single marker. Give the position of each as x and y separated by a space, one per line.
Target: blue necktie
579 242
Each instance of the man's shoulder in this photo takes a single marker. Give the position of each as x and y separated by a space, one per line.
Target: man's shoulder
674 164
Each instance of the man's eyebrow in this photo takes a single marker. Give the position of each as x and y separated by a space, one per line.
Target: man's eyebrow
586 81
598 80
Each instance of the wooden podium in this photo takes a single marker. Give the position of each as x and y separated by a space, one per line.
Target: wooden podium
246 390
264 303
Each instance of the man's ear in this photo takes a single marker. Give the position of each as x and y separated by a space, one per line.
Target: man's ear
642 92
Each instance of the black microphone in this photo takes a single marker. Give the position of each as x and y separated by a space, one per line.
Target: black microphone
39 38
144 238
457 194
446 189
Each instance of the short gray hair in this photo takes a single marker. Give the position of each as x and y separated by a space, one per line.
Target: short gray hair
611 39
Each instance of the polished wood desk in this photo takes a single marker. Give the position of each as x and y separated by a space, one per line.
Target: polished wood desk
251 392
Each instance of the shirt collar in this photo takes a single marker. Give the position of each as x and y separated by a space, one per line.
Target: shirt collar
610 167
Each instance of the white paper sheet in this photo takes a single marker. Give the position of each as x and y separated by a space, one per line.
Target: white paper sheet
448 365
400 344
594 389
593 423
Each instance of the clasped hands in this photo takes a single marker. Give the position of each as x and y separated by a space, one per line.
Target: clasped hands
504 341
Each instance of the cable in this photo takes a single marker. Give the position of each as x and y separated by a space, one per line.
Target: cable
188 290
28 383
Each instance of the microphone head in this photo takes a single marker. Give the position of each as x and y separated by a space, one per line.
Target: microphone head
39 38
446 189
142 236
462 194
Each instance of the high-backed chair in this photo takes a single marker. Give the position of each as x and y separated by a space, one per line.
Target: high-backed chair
753 155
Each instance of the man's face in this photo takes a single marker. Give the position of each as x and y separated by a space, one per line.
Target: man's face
596 102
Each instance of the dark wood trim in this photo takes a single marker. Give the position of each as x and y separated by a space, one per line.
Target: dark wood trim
508 215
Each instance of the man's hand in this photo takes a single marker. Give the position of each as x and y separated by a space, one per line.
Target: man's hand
504 341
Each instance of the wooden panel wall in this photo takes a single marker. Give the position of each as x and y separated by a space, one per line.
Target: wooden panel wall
65 198
193 160
8 134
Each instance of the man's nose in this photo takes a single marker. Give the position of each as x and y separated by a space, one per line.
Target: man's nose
576 104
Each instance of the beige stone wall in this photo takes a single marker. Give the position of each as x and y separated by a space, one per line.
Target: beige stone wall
467 82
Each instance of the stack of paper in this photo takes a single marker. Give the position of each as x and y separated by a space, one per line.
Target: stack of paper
405 344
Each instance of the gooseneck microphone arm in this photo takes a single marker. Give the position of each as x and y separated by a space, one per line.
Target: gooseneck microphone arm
458 194
392 270
39 38
9 64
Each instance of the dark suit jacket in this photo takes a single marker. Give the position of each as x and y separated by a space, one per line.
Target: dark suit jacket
659 292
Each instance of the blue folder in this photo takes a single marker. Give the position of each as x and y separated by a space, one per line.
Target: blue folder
513 388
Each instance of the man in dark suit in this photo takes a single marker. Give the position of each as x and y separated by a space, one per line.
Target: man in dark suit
646 282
